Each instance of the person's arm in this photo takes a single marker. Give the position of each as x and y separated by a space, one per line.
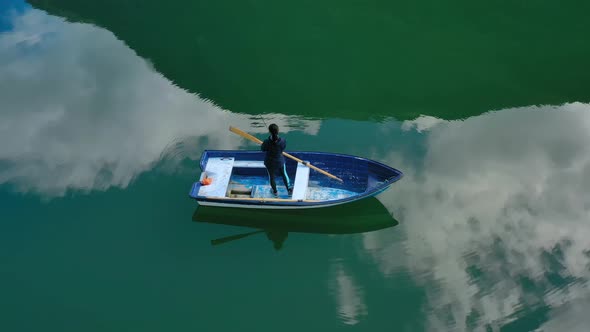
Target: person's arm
264 145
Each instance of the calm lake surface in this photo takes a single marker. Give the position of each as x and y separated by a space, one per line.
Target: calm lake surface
106 107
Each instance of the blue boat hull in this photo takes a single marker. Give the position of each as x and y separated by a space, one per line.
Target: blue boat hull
240 180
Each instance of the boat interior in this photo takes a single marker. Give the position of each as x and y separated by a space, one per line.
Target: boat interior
249 179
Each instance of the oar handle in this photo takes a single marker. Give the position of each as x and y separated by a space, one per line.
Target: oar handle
244 134
256 140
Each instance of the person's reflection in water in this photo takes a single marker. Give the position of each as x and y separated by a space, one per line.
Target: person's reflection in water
277 237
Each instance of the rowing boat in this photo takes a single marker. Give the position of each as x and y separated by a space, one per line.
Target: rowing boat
236 178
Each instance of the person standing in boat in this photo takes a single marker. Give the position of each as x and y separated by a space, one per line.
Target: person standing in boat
274 160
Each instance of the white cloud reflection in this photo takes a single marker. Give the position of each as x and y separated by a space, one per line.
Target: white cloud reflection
496 215
349 297
80 110
570 317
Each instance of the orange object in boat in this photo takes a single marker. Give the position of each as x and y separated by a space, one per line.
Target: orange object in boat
206 181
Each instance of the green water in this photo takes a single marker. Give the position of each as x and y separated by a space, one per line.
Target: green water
106 106
354 59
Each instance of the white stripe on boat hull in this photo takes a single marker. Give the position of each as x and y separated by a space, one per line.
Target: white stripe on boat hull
269 206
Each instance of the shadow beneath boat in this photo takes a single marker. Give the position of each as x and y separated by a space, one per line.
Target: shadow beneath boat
357 217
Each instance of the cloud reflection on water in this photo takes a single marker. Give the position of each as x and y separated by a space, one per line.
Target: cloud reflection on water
496 216
80 110
348 295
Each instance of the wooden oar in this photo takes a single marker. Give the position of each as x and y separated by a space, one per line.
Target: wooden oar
256 140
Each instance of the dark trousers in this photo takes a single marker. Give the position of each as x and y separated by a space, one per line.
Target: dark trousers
273 169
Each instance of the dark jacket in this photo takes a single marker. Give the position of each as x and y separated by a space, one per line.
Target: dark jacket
274 151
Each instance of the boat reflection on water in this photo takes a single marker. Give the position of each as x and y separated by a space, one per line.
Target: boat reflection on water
357 217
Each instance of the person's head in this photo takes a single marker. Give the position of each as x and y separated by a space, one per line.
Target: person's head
273 129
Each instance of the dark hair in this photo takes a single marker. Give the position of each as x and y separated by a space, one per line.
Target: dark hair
274 131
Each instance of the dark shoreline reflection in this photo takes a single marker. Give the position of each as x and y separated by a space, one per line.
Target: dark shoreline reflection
356 60
357 217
